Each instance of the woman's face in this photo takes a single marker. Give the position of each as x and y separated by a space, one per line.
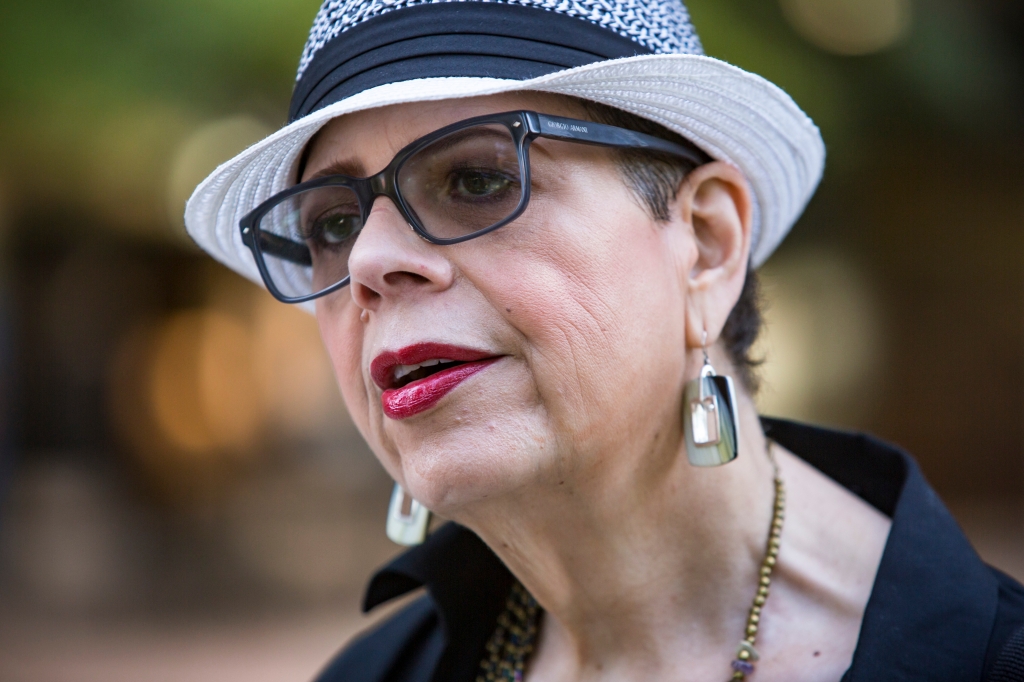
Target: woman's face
569 321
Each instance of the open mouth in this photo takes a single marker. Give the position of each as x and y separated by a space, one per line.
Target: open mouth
403 375
415 378
399 368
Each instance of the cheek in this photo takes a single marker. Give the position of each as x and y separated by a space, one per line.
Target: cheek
595 291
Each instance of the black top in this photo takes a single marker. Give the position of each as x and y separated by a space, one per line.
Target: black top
936 611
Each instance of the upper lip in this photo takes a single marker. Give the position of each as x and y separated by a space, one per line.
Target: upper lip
382 368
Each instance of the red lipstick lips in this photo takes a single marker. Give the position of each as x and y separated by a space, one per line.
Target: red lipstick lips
404 401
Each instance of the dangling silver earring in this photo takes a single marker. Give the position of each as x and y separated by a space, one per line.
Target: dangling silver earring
407 519
709 417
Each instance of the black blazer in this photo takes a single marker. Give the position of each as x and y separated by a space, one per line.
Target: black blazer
936 611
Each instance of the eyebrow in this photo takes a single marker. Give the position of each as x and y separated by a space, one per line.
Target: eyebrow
354 169
349 167
452 139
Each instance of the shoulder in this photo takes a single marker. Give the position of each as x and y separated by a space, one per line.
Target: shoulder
408 642
1004 659
936 611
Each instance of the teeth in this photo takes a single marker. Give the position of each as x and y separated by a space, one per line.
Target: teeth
403 370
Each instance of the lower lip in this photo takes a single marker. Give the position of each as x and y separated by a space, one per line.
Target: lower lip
421 395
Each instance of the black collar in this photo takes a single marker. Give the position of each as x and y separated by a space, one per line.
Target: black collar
928 618
933 603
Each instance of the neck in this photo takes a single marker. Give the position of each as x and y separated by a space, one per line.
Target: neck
653 563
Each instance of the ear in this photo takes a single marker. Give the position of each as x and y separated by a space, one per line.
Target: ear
715 201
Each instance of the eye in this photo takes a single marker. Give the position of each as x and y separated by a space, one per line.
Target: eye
479 183
335 228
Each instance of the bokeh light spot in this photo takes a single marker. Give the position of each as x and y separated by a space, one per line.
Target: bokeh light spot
203 393
295 373
822 337
849 27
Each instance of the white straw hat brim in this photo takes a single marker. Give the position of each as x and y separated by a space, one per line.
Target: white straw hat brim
731 114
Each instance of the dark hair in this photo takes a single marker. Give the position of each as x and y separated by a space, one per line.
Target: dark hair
655 179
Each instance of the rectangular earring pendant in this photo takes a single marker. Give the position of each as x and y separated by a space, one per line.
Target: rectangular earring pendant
709 420
407 519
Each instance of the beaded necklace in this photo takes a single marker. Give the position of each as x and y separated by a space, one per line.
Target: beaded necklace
510 646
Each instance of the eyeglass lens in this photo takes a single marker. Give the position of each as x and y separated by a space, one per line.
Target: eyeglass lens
455 186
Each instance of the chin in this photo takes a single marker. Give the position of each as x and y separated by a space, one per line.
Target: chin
483 440
469 460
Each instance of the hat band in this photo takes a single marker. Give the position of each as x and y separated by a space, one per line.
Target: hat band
483 39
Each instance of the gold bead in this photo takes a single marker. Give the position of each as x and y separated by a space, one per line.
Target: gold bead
759 599
766 570
766 581
743 655
754 618
748 646
751 629
770 560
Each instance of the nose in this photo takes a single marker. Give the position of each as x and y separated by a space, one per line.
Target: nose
389 260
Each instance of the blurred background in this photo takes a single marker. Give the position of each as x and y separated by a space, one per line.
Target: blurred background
182 495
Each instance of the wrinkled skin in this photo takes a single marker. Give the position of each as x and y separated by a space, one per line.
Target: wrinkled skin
566 454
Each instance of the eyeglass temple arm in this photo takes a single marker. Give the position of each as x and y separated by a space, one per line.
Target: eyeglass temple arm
603 135
285 249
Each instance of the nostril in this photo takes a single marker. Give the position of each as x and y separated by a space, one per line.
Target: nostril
397 279
364 296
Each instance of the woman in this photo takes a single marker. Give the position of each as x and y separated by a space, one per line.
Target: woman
533 311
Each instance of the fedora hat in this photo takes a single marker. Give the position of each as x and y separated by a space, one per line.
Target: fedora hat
640 56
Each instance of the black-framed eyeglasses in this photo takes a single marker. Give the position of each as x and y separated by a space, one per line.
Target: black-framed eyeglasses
457 183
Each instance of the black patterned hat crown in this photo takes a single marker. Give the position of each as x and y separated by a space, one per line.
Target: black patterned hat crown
357 44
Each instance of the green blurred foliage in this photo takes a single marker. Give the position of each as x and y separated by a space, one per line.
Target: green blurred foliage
95 55
96 96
